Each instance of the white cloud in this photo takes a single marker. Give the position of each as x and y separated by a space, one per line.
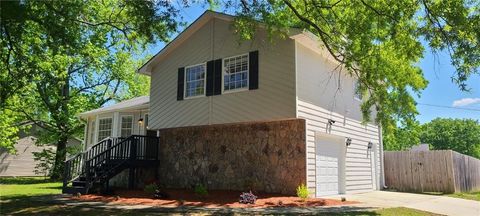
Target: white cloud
465 102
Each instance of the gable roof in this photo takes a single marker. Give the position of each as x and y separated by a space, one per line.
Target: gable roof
183 36
141 102
302 36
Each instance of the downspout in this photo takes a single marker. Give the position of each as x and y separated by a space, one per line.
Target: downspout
382 159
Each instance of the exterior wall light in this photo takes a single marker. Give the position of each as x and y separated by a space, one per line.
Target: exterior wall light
328 127
348 142
331 121
370 145
140 121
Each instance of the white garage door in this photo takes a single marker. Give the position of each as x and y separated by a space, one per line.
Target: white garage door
329 166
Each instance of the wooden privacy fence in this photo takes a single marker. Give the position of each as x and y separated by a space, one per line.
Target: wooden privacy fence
431 171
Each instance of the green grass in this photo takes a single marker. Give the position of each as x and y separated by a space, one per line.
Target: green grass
31 196
402 211
467 195
13 187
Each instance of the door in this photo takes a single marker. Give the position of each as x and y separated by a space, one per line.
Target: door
330 162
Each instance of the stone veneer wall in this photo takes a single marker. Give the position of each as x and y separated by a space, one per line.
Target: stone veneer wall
264 156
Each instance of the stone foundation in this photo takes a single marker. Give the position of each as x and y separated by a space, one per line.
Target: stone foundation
263 156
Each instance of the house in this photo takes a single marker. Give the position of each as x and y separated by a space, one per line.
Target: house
22 163
420 147
261 114
119 120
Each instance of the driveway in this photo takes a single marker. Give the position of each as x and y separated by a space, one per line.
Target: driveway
436 204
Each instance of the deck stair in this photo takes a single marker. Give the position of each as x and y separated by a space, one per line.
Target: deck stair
94 167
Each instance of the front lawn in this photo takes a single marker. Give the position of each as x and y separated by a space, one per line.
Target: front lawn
32 196
467 195
34 186
402 211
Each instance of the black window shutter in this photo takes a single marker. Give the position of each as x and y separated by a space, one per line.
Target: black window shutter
253 72
217 89
210 78
180 83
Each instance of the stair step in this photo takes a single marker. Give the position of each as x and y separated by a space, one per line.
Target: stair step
74 190
79 183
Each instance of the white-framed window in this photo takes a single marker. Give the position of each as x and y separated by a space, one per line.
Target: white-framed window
104 128
235 73
195 80
126 126
92 132
356 91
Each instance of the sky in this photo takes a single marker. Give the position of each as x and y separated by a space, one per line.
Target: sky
443 92
442 98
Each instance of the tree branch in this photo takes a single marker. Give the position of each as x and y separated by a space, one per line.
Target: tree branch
323 35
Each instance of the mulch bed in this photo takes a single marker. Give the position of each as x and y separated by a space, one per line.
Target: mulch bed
214 199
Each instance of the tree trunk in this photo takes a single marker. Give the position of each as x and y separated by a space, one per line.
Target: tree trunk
62 123
60 156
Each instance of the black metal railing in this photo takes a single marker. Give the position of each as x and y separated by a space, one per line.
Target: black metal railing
73 168
102 159
102 146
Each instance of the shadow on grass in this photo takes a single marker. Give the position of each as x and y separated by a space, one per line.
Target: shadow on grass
23 181
45 205
335 211
53 187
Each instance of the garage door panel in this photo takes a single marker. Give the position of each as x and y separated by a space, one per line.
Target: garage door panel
329 162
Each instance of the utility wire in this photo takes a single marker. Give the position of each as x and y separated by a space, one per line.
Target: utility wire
449 107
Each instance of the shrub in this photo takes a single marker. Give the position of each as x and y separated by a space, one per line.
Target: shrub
302 192
247 198
201 190
150 188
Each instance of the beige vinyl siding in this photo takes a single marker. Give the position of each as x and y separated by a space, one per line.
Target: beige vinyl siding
23 162
275 98
323 94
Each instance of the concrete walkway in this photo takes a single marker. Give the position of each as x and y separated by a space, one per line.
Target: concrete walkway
436 204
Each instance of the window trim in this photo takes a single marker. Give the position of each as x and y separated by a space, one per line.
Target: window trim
98 129
92 132
121 123
355 94
185 81
246 88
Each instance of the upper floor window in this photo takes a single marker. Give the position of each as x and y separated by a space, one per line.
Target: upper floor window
104 128
127 126
356 88
235 72
195 80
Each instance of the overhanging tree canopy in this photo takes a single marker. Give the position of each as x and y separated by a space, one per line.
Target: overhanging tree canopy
380 42
59 58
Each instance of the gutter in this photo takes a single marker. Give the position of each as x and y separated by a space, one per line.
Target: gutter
382 159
